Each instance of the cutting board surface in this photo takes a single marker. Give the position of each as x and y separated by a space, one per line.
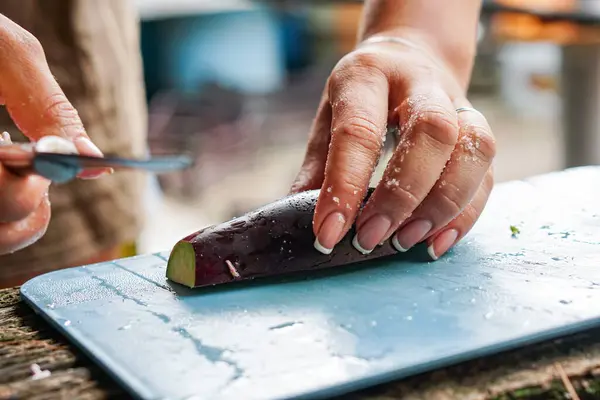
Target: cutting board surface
339 330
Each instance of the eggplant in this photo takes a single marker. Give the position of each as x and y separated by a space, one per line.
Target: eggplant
275 239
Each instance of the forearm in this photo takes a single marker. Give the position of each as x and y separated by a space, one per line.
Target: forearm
449 26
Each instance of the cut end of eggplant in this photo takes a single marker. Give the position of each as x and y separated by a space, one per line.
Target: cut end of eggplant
181 267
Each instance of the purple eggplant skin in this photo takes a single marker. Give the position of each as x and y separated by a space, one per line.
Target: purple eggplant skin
275 239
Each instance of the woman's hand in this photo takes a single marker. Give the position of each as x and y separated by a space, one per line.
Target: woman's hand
39 108
439 178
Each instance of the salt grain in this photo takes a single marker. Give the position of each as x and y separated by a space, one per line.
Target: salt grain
392 183
39 373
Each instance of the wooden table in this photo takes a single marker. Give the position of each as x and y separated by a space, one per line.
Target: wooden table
530 373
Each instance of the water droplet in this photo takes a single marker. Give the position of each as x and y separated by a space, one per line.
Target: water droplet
50 306
473 300
408 318
565 301
67 323
488 315
124 327
373 323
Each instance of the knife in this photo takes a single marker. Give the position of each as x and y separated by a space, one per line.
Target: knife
23 159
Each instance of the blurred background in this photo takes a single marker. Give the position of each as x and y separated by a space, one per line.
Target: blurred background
237 83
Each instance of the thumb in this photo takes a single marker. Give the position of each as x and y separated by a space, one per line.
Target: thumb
33 98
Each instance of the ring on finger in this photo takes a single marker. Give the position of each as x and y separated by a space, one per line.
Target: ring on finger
463 109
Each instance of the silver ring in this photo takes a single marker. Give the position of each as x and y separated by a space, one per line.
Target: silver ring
462 109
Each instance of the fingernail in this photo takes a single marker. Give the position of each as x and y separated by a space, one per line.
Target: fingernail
330 232
95 173
86 146
411 234
371 233
5 137
442 243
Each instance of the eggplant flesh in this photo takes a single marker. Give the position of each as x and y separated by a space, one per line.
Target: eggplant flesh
273 240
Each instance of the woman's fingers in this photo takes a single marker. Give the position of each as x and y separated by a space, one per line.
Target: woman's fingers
17 235
358 94
449 235
20 195
429 132
33 98
461 178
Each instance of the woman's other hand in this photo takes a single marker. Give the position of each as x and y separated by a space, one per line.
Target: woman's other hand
39 108
439 178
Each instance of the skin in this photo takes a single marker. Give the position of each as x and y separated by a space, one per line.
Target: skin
38 107
438 181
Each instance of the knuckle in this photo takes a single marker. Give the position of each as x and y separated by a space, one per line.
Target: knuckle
480 142
345 191
58 107
362 133
336 76
363 64
365 59
350 185
450 199
439 125
18 42
469 215
401 195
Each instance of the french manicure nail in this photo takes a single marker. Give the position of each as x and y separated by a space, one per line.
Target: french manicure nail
442 243
411 234
86 146
330 232
371 233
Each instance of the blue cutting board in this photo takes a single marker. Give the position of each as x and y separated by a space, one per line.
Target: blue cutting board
335 331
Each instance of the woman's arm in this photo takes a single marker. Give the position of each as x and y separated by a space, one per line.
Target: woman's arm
448 26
